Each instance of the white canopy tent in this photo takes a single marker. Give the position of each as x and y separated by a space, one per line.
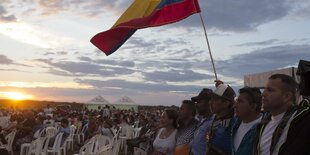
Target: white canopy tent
125 103
260 79
96 102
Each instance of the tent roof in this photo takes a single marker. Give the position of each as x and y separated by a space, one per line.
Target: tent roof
125 100
260 79
98 100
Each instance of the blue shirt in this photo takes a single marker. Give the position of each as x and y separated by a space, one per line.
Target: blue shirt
247 143
221 137
199 143
66 133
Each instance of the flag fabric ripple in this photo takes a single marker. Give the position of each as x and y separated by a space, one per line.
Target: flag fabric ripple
143 14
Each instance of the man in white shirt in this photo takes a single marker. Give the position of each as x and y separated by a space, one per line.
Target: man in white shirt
248 112
286 129
48 111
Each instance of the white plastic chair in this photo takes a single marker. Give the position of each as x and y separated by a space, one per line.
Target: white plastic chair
127 132
107 150
56 148
39 133
25 149
69 140
36 146
139 151
50 131
116 146
87 149
49 122
45 143
10 138
77 132
102 142
82 133
137 132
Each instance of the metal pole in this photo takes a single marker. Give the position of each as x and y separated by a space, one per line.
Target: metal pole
206 35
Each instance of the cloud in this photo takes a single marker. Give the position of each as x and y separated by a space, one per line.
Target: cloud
62 53
5 17
259 43
138 87
262 60
48 53
239 15
72 68
174 76
12 70
159 49
5 60
301 9
88 8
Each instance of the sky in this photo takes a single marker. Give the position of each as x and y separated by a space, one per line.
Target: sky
45 50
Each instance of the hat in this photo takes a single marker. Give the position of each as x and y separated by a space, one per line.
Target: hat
224 91
204 94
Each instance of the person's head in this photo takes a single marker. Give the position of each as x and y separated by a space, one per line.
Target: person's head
143 121
29 114
108 123
187 110
279 92
222 99
64 123
202 102
169 118
248 102
39 120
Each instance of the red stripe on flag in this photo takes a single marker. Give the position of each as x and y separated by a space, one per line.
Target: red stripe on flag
109 41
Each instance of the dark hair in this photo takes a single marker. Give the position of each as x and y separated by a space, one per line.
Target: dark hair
191 105
172 114
65 121
290 84
254 95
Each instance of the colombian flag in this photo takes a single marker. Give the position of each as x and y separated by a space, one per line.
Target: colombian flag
143 14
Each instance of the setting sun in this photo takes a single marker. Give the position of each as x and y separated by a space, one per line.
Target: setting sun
15 95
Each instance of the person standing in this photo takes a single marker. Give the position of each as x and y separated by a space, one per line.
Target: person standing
285 129
164 143
248 112
219 136
186 128
199 143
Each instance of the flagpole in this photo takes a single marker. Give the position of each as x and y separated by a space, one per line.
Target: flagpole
209 48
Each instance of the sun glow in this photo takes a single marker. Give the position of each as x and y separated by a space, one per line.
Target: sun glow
15 95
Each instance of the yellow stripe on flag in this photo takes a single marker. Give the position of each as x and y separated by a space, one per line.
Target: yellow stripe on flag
138 9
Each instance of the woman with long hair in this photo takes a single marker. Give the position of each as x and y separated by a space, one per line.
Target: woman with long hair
164 143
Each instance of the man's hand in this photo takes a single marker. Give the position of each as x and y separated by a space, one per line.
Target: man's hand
218 82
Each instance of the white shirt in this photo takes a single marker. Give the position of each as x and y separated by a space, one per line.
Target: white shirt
242 130
106 112
48 111
283 137
166 145
266 138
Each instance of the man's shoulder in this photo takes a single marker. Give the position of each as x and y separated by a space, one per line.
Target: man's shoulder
194 121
